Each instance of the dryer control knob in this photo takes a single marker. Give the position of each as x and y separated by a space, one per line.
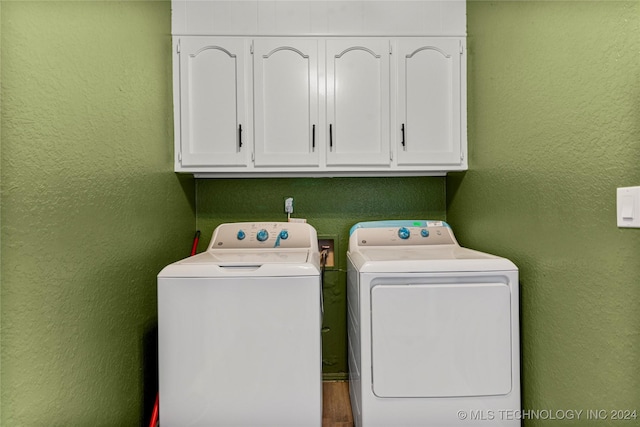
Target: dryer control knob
404 233
241 235
284 234
262 235
424 232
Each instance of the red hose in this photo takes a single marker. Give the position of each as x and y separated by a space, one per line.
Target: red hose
194 248
154 414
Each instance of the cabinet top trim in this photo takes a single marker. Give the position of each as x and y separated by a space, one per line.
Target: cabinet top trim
319 35
319 18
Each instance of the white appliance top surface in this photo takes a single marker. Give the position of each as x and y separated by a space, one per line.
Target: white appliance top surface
427 260
448 252
231 257
245 263
264 256
254 249
414 247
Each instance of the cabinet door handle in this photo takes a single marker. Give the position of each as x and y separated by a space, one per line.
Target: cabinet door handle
402 129
313 138
330 137
239 136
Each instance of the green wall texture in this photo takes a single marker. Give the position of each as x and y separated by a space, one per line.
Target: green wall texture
91 209
554 128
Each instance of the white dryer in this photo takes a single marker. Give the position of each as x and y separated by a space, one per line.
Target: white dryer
433 329
239 330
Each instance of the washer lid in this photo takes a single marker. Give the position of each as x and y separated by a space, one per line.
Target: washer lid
257 257
260 263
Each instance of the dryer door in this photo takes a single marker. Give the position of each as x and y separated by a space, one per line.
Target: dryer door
441 340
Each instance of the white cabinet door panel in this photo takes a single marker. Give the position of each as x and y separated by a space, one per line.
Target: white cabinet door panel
429 102
358 102
213 101
286 102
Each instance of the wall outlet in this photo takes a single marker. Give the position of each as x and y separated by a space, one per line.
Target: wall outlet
330 246
288 205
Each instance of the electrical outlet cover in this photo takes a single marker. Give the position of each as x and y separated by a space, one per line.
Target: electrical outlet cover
628 207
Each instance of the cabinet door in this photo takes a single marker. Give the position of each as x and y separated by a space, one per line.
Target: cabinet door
286 102
213 102
429 126
358 102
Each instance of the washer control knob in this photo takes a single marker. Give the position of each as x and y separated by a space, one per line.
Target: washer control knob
404 233
424 232
284 234
262 235
241 235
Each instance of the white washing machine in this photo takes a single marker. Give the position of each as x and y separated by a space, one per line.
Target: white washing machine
239 330
432 329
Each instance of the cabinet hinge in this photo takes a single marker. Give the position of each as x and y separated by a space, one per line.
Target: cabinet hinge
178 47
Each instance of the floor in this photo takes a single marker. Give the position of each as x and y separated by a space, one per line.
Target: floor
336 406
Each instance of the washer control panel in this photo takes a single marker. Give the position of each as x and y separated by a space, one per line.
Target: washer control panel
402 233
246 235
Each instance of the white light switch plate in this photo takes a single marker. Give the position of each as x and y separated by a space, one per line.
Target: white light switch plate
628 207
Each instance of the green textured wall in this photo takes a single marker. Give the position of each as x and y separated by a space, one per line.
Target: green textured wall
91 209
332 206
554 128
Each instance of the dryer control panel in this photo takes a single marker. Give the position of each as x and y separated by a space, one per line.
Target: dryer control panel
402 233
264 235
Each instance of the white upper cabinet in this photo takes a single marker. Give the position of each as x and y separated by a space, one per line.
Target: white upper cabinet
430 103
319 88
286 102
357 102
211 124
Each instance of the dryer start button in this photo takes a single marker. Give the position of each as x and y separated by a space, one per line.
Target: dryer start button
404 233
